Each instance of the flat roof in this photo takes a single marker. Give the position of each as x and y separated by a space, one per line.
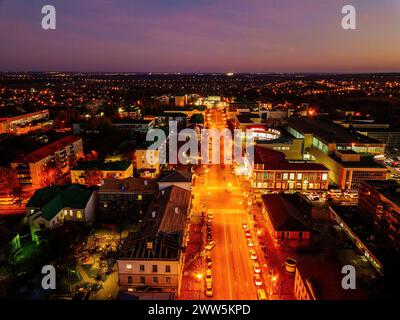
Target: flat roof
275 160
388 188
328 131
326 278
365 162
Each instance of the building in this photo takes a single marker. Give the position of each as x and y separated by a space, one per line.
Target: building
134 125
336 147
360 231
126 199
381 132
348 169
180 178
181 101
284 142
318 279
51 206
380 202
272 171
47 164
147 162
154 258
163 119
20 124
287 216
94 172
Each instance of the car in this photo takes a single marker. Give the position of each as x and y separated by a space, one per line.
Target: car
248 234
250 243
352 194
261 294
244 225
209 290
256 267
210 245
208 257
335 192
253 254
209 238
210 215
208 275
257 280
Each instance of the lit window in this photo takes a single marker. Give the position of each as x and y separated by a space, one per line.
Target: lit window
79 214
324 176
285 176
129 266
291 177
299 176
139 197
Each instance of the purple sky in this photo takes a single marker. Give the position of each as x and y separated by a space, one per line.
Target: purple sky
200 36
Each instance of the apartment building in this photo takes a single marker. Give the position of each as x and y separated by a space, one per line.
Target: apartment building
126 199
47 164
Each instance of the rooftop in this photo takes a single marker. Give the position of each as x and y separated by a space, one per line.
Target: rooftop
326 278
103 166
390 189
161 246
275 160
365 162
284 213
49 149
176 176
51 200
328 131
168 210
128 185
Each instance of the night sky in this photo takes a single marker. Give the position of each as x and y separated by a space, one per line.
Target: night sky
200 36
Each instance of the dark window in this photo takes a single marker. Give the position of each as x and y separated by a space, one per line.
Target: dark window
142 267
142 280
167 268
129 279
155 268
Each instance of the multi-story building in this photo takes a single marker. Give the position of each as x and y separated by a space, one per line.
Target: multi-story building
153 257
125 200
179 178
45 165
337 147
272 171
380 202
181 101
94 172
11 124
287 216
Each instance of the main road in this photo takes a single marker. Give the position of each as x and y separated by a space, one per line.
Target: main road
232 268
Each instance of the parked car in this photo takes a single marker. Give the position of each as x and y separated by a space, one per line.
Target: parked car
256 267
253 254
261 295
210 245
257 279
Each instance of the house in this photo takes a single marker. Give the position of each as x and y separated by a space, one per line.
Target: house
287 216
51 206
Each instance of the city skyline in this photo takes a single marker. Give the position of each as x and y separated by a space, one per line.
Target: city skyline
211 36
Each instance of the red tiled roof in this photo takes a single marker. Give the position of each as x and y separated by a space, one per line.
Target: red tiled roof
50 149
